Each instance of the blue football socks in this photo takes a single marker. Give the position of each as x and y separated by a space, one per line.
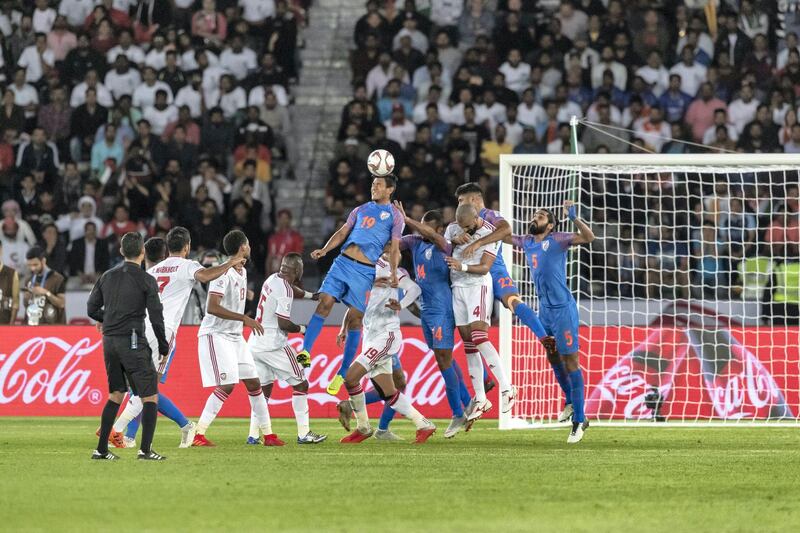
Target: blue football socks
576 382
351 343
452 390
312 331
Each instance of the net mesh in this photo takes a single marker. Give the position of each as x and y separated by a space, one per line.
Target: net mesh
688 296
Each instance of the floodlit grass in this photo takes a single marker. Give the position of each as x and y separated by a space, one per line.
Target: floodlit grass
700 479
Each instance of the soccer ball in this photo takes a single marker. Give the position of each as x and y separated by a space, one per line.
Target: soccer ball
380 163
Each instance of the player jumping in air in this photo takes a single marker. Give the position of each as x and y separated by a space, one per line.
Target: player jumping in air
274 356
472 307
369 228
502 284
175 276
546 253
429 249
382 341
225 358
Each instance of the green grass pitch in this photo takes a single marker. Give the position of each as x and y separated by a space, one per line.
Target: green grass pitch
698 479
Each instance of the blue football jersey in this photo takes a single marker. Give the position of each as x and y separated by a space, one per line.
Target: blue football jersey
493 217
431 272
547 261
372 226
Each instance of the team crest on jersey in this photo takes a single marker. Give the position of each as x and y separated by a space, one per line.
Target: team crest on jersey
384 215
428 253
223 375
545 245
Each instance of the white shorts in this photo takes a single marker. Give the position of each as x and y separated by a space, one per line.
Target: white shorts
279 364
224 360
153 342
473 304
377 352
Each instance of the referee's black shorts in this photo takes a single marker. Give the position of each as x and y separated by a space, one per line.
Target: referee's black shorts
127 367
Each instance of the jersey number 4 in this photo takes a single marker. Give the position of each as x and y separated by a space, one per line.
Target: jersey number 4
420 271
162 282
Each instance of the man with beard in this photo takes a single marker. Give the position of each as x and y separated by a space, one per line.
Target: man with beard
44 297
546 252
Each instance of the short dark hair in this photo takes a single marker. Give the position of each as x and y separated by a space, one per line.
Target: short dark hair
469 188
233 241
177 238
35 252
389 179
155 249
434 215
131 244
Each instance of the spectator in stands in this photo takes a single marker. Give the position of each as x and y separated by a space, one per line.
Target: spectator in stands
45 290
107 154
284 240
54 248
9 291
88 257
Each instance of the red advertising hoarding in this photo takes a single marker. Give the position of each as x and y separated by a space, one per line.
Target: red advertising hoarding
58 371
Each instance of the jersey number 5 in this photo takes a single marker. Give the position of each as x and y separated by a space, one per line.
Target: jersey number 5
260 313
162 282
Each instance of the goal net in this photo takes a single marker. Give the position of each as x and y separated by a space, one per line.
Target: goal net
688 297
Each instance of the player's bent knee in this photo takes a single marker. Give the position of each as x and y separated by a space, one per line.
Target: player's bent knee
227 389
150 399
301 387
116 397
444 358
399 381
325 304
571 362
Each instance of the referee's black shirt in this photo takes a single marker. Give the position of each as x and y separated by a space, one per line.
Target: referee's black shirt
119 300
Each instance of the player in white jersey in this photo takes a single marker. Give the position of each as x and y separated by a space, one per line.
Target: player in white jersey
175 276
225 358
275 358
472 306
382 341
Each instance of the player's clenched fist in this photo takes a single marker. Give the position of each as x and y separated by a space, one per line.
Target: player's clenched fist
318 253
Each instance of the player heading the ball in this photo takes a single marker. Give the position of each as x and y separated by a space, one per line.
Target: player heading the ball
369 228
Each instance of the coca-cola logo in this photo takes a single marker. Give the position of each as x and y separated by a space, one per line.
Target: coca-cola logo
26 373
424 385
743 393
622 383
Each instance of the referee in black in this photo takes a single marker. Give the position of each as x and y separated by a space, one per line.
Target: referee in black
118 303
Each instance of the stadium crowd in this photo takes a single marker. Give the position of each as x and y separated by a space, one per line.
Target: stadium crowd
143 114
447 87
138 115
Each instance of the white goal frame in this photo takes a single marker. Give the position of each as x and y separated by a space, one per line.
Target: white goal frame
507 162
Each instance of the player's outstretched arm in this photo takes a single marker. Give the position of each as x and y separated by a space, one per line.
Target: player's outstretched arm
215 308
209 274
585 234
301 294
502 231
411 291
423 230
336 239
343 330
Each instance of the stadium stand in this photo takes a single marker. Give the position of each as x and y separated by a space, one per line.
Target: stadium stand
140 115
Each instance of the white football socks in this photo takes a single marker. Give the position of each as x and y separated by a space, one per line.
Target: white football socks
300 407
132 409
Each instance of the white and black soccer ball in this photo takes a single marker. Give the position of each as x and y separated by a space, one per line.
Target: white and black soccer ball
380 163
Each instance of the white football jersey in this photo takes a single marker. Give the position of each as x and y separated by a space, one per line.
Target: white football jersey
275 302
175 279
233 289
377 316
465 279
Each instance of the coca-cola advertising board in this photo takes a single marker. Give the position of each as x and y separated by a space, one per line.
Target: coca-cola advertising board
670 373
58 371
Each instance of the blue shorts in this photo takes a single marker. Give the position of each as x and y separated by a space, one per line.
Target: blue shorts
502 283
349 282
438 328
562 323
396 363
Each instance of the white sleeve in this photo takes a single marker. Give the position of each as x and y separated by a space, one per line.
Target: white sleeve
283 306
191 268
410 288
218 286
449 233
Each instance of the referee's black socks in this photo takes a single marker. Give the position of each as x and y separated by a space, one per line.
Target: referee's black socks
106 424
149 417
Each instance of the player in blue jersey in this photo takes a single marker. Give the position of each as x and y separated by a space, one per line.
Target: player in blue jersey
546 253
429 248
502 284
369 228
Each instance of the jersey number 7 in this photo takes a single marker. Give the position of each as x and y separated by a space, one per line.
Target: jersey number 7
162 282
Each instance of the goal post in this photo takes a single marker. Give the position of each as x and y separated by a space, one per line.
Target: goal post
689 297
